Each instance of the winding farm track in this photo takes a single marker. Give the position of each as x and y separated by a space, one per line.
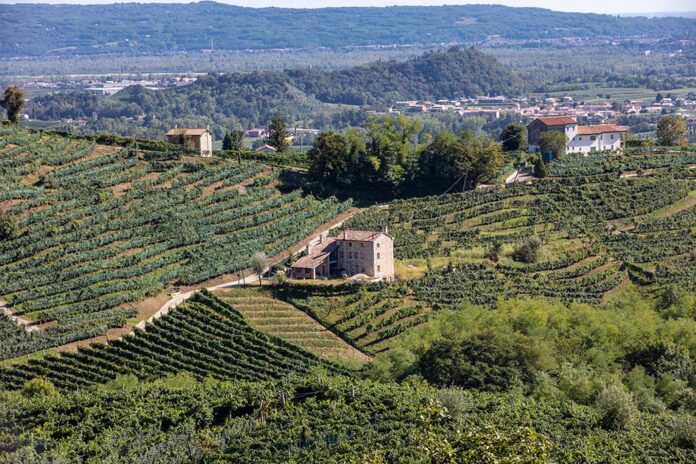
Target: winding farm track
153 308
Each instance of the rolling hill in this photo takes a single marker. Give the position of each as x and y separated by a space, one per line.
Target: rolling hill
251 99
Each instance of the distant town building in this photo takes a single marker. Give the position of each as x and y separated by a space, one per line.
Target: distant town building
201 139
353 252
581 139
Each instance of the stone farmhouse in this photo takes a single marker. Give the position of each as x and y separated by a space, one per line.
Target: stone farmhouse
580 139
353 252
201 139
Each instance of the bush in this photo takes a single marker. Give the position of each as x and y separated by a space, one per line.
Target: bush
685 433
38 388
617 408
8 226
528 250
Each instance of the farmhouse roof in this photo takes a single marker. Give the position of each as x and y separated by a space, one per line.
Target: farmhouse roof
600 129
361 235
187 131
317 255
265 147
557 120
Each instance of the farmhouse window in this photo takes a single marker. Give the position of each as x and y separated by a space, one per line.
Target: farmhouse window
593 137
379 268
378 256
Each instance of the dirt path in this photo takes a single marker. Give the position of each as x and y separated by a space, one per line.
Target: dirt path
28 325
155 307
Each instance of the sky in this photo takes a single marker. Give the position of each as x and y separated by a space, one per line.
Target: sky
585 6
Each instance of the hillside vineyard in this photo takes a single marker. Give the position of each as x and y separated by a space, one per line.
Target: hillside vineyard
103 227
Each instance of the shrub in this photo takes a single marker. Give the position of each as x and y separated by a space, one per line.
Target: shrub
528 250
617 408
8 226
38 388
685 433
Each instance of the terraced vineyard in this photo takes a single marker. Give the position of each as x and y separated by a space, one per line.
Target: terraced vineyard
203 336
369 317
283 320
101 228
599 232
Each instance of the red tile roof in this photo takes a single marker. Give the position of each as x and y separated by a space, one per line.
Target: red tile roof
600 129
557 120
187 131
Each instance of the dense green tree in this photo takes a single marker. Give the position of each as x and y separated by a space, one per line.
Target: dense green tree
553 142
329 158
514 137
671 131
481 362
464 160
278 134
13 102
233 140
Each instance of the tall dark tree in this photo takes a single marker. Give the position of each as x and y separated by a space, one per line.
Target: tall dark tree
329 158
514 137
233 140
278 134
13 102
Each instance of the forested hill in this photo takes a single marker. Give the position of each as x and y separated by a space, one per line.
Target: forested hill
252 99
157 28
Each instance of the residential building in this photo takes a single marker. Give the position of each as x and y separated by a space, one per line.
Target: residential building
201 139
353 252
580 139
599 137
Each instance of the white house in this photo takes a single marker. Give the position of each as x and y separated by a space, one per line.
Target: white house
600 137
580 139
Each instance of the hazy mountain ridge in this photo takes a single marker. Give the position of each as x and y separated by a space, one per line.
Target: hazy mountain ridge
37 30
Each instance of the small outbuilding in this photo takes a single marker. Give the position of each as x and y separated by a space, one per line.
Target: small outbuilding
201 139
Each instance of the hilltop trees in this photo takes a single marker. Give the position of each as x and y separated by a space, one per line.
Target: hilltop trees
278 134
465 159
386 158
13 102
671 131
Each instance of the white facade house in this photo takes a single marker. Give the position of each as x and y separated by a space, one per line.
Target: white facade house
580 139
601 137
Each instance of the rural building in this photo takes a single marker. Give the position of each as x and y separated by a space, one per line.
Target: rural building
353 252
265 148
201 139
580 139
